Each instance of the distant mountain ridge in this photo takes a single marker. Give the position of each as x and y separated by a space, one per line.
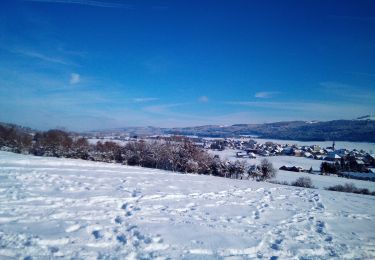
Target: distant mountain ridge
366 117
361 129
339 130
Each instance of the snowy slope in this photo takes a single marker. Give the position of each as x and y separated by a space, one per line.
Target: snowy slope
52 208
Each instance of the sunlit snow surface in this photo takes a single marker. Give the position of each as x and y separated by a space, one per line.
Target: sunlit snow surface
61 208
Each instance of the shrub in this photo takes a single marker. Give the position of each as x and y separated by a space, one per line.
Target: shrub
262 172
303 182
81 148
350 188
279 182
236 169
267 170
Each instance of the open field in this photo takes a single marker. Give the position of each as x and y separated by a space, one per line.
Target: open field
68 208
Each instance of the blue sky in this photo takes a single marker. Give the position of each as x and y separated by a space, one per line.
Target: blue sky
86 64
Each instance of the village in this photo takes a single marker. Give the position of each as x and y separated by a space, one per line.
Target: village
343 160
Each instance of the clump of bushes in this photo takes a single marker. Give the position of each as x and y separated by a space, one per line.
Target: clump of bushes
304 182
14 139
279 182
350 188
262 172
329 168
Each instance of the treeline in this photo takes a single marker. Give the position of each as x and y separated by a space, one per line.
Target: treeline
347 164
178 154
14 138
339 130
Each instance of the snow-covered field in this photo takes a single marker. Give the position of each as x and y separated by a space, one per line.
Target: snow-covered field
63 208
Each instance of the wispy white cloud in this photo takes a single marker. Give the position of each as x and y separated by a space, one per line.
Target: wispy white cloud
348 92
360 73
335 110
332 85
85 2
40 56
203 99
299 106
144 99
164 108
266 94
75 78
69 52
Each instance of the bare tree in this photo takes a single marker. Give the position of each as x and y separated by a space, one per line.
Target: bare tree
262 172
267 170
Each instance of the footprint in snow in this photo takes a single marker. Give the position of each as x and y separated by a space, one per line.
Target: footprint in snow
276 245
118 220
320 227
256 214
124 206
122 239
328 239
320 205
135 193
53 249
97 234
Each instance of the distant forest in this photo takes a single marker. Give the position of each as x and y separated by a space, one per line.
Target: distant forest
338 130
